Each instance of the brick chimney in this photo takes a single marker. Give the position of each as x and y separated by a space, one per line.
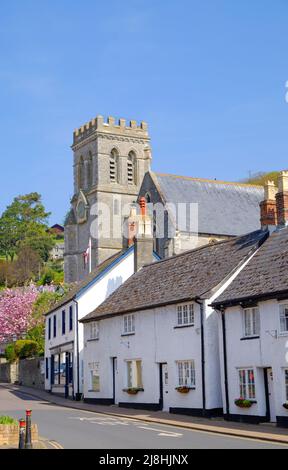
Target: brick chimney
143 245
268 206
282 199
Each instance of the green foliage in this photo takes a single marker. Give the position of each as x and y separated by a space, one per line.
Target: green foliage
21 349
262 178
10 353
51 276
26 348
44 302
37 335
24 223
8 420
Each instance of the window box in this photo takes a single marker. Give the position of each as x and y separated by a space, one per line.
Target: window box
184 389
285 405
133 391
242 403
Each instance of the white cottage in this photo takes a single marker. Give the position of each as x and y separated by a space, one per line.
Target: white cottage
253 322
64 333
154 344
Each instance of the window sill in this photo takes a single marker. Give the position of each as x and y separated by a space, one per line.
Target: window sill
249 338
92 340
127 334
284 333
179 327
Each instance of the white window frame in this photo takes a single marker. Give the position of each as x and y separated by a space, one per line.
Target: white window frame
186 373
94 330
129 324
185 315
94 373
134 373
251 322
283 317
247 387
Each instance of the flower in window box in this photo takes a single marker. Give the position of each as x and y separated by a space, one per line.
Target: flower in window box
183 389
133 391
242 403
285 405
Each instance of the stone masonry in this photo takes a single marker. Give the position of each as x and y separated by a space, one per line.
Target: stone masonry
110 161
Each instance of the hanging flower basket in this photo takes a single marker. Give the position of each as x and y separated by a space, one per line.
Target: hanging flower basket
183 389
133 391
242 403
285 405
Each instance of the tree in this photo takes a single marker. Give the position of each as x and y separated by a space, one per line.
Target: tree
26 267
24 223
16 307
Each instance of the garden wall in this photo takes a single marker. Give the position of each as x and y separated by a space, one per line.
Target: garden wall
28 372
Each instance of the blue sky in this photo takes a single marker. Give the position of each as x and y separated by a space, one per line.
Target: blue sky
207 75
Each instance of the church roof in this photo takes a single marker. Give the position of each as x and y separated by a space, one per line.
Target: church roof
265 276
190 275
224 208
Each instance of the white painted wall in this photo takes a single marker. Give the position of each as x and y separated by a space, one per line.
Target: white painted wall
268 351
89 299
155 341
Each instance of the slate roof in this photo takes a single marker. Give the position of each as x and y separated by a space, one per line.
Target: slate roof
265 276
180 278
78 286
224 208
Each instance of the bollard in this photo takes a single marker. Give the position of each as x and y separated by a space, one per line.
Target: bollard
22 426
28 437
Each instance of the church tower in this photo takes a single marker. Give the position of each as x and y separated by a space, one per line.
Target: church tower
110 161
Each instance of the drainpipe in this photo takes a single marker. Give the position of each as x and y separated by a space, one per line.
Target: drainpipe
78 394
200 303
222 311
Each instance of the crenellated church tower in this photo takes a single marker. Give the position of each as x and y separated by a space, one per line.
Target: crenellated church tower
110 161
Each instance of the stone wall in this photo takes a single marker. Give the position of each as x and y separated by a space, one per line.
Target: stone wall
8 372
9 435
31 372
28 372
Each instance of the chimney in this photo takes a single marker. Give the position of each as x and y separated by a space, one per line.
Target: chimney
282 199
268 206
143 247
132 226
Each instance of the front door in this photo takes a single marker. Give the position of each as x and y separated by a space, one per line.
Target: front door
271 395
165 387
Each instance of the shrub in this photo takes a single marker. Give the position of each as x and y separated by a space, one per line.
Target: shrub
10 353
8 420
26 348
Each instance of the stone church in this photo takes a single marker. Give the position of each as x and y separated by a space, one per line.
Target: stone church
112 169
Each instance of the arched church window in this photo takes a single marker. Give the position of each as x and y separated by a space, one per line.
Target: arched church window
148 198
131 168
89 170
114 166
116 207
81 175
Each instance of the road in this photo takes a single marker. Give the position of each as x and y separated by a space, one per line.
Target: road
86 430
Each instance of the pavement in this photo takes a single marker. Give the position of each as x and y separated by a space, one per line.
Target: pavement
205 432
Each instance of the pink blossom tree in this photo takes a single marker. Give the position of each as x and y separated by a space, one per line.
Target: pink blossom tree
16 306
